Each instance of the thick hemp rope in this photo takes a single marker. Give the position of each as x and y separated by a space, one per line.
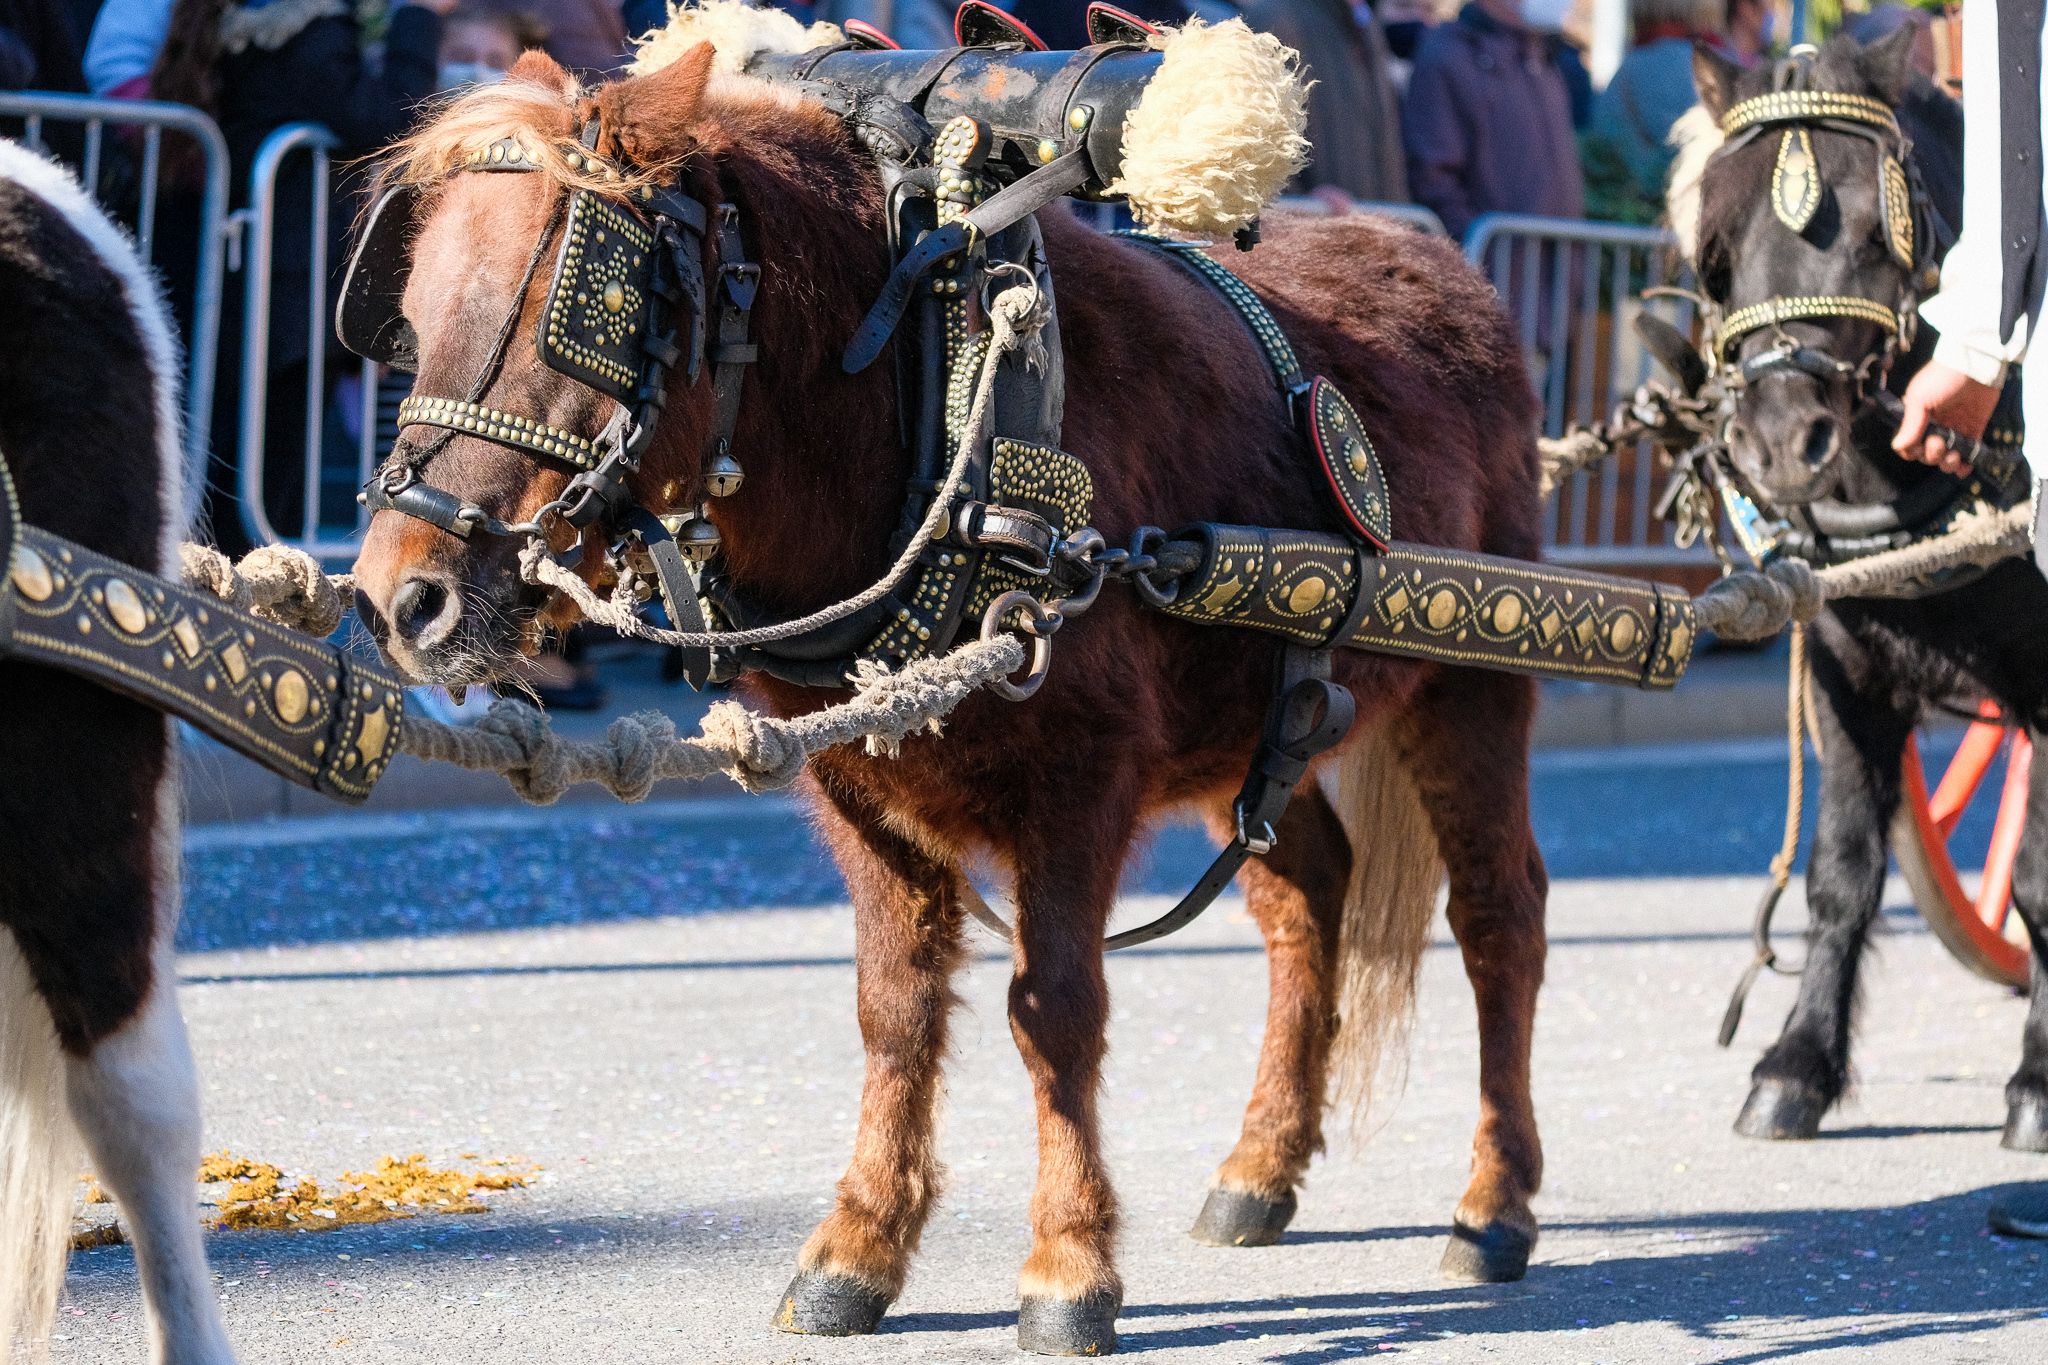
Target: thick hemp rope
761 753
1755 605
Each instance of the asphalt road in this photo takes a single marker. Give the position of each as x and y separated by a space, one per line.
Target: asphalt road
687 1079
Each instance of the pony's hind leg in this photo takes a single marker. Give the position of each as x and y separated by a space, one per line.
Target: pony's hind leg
1465 741
1296 894
1862 735
2026 1095
907 930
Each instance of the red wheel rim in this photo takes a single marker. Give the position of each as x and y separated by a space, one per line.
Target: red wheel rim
1984 920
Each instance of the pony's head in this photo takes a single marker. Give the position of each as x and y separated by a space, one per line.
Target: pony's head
499 424
1792 196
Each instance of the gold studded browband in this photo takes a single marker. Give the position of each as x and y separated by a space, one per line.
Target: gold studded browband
1793 308
1452 606
1807 106
302 708
506 428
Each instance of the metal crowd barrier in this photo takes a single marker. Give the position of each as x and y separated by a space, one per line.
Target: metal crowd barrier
140 127
328 483
1573 290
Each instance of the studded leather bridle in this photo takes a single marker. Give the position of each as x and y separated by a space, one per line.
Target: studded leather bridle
625 308
1911 228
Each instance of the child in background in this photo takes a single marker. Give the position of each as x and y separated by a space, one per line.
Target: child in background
479 46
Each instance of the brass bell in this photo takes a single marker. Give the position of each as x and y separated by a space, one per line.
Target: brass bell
723 476
698 540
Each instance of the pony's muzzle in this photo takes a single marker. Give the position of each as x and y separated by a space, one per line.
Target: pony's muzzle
425 611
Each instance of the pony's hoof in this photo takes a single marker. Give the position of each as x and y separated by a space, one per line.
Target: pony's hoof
1494 1254
1779 1111
1234 1218
2026 1126
820 1305
1068 1327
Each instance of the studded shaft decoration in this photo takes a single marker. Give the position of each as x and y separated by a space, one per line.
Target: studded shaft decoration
506 428
1451 606
1041 480
305 710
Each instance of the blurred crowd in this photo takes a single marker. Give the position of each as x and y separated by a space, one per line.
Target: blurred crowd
1488 107
1470 110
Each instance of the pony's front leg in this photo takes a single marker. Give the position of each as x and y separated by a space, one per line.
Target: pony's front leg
2026 1095
908 944
1862 734
1059 1010
1296 894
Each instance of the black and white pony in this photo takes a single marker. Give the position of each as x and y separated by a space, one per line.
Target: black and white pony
91 1042
1799 441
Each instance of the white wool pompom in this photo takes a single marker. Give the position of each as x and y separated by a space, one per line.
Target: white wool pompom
736 30
1218 132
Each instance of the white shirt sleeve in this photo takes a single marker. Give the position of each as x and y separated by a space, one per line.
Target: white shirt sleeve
1965 311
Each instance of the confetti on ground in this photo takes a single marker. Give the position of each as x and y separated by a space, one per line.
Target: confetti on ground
257 1196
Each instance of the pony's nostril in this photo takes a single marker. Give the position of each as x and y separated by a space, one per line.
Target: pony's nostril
423 611
1821 438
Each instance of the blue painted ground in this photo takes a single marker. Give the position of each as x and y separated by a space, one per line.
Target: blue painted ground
1680 811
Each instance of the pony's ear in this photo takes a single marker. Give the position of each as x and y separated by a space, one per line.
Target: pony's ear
1715 75
1888 63
648 119
538 68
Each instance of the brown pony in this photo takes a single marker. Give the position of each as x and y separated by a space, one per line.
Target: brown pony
1170 404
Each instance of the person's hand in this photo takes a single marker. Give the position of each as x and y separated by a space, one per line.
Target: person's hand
1950 398
444 8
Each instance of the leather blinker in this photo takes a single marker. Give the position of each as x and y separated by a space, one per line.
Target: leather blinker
370 320
594 320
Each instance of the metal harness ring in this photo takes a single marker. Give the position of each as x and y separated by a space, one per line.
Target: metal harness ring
1040 621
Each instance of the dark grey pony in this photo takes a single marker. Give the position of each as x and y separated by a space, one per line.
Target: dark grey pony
1805 440
91 1042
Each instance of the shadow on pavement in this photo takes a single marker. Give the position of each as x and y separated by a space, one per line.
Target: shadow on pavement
1948 1276
1795 1276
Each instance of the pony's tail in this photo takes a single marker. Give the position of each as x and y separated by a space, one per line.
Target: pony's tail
38 1161
1396 872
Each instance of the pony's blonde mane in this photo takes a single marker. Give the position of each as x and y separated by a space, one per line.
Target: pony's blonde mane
1697 136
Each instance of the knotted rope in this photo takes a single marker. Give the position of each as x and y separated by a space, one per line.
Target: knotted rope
277 582
1755 605
761 753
